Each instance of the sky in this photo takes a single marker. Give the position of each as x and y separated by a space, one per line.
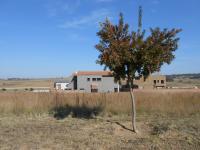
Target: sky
54 38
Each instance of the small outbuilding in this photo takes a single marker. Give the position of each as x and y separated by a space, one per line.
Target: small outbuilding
62 85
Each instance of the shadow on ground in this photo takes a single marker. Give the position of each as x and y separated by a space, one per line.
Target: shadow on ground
121 125
86 112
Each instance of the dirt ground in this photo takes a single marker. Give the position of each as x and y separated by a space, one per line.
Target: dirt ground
46 132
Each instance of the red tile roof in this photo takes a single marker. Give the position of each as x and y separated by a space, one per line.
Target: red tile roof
101 73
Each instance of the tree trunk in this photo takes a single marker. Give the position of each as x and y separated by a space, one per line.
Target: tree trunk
133 108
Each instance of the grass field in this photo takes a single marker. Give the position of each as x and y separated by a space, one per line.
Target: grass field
166 119
26 83
184 80
45 132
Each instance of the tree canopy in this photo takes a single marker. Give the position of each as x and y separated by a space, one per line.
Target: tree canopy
130 53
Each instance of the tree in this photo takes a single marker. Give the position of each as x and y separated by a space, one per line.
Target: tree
130 54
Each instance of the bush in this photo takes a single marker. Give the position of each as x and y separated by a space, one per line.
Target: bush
3 89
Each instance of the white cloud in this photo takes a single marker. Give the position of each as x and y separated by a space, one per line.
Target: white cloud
58 7
94 18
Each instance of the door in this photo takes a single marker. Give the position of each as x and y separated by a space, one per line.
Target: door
94 88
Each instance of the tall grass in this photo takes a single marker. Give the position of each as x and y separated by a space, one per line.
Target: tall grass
147 101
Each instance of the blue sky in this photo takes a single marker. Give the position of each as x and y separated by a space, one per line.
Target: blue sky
53 38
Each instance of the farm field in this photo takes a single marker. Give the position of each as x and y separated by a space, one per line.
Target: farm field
26 83
167 119
184 82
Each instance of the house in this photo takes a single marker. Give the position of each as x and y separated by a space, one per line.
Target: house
159 81
62 85
152 82
103 81
94 81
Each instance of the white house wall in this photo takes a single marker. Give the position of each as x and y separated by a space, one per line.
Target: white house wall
63 86
106 84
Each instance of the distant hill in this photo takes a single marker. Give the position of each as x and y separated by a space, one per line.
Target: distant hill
170 78
183 80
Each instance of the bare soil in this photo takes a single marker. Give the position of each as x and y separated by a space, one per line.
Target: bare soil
114 132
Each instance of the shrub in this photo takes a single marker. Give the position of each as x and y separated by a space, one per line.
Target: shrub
3 89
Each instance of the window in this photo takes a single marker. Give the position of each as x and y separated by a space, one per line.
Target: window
154 81
94 79
82 89
157 81
98 79
162 81
88 79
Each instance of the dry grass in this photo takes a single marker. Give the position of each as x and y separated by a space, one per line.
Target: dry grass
26 83
184 82
47 133
147 101
158 129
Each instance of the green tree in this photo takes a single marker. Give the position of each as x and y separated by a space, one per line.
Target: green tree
130 54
